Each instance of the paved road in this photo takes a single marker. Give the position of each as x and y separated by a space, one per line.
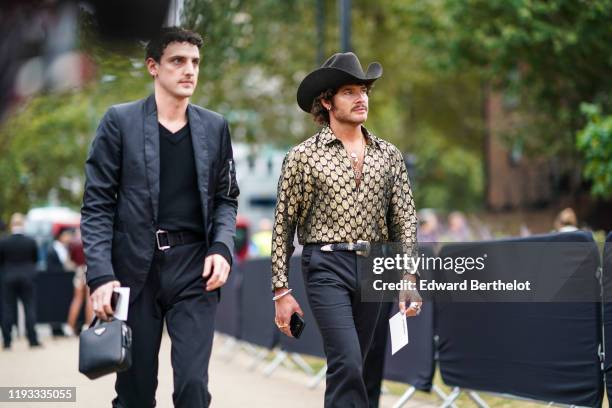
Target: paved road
232 384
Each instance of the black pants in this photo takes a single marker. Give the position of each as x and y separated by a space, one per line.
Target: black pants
346 323
175 290
18 286
374 365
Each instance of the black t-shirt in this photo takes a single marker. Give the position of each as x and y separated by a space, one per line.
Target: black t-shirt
180 206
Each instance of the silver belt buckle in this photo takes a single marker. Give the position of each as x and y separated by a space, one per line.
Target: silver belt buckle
366 251
327 248
159 245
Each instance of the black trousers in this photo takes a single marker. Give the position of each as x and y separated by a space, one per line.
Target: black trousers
174 291
18 286
374 365
346 323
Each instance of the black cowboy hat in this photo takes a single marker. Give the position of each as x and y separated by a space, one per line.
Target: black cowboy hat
340 69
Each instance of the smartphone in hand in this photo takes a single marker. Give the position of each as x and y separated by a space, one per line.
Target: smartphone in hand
296 325
114 300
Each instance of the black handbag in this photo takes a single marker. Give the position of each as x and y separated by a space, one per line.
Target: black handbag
105 348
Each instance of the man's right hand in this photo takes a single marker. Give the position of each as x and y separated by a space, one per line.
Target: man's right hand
101 300
285 307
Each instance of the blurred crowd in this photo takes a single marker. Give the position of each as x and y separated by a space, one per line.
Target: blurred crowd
432 227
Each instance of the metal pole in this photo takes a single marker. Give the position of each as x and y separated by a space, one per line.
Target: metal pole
345 25
174 14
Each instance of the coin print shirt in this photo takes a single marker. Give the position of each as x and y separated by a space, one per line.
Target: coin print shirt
318 195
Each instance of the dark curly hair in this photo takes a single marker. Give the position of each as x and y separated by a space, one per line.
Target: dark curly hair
167 35
319 112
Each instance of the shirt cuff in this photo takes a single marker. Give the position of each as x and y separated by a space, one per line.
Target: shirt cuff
220 248
95 283
279 285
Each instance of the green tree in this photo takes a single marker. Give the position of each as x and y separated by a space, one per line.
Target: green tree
548 57
595 141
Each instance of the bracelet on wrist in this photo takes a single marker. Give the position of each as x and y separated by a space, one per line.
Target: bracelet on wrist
275 298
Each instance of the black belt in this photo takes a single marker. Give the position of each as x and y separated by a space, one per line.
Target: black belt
360 247
168 239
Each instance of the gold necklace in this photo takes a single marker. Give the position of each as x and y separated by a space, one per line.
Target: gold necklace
355 162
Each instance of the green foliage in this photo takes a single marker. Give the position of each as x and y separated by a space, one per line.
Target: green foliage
595 141
43 147
549 56
546 57
254 55
447 176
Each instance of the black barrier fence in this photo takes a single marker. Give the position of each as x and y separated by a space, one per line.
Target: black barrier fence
542 351
414 364
54 291
514 270
229 310
256 307
546 351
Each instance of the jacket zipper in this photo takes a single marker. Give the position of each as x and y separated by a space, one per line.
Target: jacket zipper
229 175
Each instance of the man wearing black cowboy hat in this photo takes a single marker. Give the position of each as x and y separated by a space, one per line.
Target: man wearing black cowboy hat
342 188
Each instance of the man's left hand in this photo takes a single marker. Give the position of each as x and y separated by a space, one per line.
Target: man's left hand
216 269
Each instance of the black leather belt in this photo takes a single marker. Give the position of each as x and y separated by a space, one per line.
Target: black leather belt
168 239
360 247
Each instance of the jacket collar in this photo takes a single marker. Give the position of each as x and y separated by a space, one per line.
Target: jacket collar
201 132
150 105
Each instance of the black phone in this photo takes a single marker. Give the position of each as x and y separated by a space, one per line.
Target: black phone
114 300
296 325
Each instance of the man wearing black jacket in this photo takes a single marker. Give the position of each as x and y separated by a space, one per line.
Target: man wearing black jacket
159 216
18 256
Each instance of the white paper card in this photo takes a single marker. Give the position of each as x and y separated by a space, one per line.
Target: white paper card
123 303
399 332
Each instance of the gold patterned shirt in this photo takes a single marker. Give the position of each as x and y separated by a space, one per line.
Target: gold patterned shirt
317 193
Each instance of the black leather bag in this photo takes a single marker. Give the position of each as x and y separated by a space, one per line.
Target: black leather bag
105 348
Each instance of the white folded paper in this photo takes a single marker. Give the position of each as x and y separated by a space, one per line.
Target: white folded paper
399 332
123 303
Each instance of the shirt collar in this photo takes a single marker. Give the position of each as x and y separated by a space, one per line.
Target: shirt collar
326 136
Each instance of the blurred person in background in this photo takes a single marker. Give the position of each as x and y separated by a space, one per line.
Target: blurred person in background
58 261
341 189
81 291
524 230
566 221
18 257
429 227
458 229
159 216
58 255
